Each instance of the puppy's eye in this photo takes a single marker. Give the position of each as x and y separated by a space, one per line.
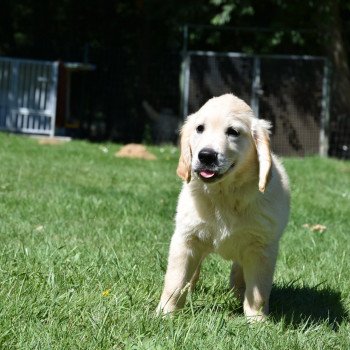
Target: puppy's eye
232 132
200 128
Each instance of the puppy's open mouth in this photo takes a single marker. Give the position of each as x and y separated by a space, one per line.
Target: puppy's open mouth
208 175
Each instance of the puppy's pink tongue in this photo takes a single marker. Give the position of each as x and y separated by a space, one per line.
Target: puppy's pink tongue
207 174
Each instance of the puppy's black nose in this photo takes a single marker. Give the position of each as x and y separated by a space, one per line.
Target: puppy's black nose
208 156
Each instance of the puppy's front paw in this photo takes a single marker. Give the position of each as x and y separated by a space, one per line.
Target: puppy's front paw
255 314
165 309
257 318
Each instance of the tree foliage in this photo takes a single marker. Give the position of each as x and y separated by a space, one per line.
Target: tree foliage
275 26
133 35
312 27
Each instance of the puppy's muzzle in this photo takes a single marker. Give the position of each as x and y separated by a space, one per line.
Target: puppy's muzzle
210 168
208 165
208 157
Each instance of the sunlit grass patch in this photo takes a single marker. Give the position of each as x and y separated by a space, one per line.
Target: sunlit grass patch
84 241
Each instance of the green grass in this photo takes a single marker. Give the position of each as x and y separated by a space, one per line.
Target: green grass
75 222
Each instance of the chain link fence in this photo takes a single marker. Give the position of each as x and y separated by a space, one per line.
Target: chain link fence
293 92
144 98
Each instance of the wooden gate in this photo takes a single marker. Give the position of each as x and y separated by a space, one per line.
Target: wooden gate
28 93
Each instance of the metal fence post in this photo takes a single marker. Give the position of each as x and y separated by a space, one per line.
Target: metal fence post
256 86
183 69
325 108
186 84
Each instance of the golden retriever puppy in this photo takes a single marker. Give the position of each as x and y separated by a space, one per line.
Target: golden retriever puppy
234 202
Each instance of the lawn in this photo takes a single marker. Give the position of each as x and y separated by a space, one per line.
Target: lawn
84 241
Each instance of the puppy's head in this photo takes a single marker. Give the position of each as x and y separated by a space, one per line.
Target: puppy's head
221 137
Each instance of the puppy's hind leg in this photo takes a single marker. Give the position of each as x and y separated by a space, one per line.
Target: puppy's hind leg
196 274
237 284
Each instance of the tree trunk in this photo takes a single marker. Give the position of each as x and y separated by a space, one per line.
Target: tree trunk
337 53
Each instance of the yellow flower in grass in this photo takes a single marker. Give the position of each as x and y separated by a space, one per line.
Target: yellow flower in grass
106 293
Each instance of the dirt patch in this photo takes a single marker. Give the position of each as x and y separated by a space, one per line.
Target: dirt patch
134 150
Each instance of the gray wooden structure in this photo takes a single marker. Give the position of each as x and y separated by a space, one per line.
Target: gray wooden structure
28 93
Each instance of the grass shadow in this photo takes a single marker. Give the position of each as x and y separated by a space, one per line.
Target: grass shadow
298 304
295 305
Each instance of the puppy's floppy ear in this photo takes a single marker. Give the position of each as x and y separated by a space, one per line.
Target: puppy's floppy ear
260 133
184 166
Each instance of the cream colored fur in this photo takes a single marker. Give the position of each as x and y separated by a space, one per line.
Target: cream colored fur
240 216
